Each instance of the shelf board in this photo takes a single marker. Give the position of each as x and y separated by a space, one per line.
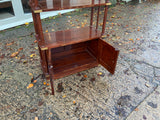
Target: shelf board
67 37
73 63
49 5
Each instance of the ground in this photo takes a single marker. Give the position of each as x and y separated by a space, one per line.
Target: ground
133 92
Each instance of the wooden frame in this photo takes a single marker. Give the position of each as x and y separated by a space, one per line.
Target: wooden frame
65 54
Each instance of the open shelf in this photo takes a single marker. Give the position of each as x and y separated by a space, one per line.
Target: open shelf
67 37
72 59
49 5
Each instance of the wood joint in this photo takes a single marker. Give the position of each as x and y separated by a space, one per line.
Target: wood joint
37 11
45 48
109 3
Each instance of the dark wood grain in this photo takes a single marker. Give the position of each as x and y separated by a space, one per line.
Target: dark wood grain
66 52
67 37
50 5
108 56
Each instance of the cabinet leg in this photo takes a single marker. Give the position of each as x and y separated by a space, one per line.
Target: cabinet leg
52 85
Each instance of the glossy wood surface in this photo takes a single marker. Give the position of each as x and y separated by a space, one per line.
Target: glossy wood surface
71 59
67 37
66 52
108 55
49 5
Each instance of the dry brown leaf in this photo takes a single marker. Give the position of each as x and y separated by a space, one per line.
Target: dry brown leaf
20 49
14 54
8 44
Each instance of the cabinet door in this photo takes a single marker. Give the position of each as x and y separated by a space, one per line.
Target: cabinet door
108 55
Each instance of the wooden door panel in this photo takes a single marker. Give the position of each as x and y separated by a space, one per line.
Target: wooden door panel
108 56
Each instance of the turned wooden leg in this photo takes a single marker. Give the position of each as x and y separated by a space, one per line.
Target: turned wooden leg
52 85
50 68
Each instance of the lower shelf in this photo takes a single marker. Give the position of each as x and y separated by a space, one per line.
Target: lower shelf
69 64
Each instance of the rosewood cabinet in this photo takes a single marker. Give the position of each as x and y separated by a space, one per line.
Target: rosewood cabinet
67 52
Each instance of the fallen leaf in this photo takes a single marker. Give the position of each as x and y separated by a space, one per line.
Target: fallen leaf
20 49
85 15
113 16
33 110
74 102
46 31
138 39
85 76
64 96
47 84
8 44
40 103
83 25
32 55
44 83
34 81
131 50
136 109
30 85
131 39
101 24
104 36
36 118
30 74
35 41
0 73
27 23
14 54
100 73
118 37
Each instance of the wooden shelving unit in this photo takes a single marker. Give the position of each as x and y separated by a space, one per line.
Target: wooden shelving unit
67 52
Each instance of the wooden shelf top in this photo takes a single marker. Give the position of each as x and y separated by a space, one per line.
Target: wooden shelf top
68 37
49 5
